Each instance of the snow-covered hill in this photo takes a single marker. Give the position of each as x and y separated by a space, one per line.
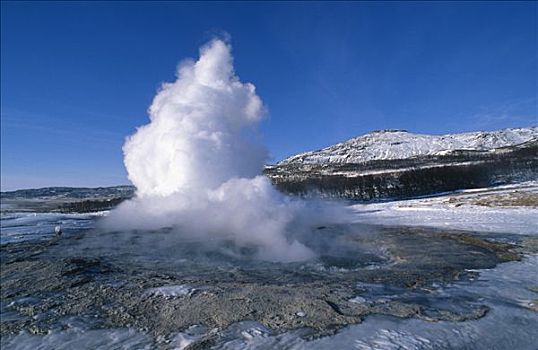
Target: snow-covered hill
400 144
398 164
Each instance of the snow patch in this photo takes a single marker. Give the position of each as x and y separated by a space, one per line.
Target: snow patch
172 291
441 212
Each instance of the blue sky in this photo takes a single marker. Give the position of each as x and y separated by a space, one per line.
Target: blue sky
77 77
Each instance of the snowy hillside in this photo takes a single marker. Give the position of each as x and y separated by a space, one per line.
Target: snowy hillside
400 144
398 164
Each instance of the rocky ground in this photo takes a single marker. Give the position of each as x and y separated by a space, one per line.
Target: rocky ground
129 280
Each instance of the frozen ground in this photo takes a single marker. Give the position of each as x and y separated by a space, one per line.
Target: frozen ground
509 325
508 290
20 226
504 209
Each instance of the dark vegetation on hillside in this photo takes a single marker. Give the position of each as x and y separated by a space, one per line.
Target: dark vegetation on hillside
383 179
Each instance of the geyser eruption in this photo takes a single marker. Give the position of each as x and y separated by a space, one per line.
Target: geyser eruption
196 139
196 165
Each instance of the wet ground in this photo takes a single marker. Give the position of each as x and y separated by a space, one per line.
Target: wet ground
453 271
156 285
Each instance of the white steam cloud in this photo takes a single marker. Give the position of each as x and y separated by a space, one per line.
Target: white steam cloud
196 140
196 165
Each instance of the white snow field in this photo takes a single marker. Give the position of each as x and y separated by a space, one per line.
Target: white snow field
457 211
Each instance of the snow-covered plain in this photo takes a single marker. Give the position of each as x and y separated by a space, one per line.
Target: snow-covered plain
400 144
456 211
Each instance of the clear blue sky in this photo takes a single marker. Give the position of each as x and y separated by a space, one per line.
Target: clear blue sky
76 78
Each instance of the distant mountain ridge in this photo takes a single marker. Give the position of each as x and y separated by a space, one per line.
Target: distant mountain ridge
124 191
381 164
401 144
399 164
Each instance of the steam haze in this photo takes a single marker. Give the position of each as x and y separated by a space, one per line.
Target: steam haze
197 165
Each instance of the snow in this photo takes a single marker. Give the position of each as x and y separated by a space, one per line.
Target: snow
444 213
79 339
506 289
171 291
402 170
16 227
506 220
510 324
507 325
183 340
399 144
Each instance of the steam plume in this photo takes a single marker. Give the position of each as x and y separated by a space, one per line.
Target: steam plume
197 165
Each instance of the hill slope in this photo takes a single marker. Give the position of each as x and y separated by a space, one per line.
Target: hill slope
400 144
399 164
